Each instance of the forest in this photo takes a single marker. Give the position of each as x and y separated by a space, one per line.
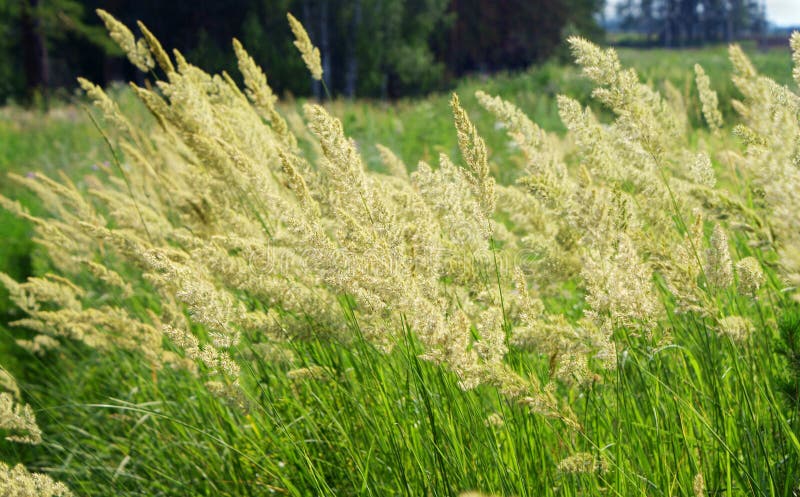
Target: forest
370 48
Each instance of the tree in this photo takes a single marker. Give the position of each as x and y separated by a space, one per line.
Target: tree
689 22
378 48
490 35
32 32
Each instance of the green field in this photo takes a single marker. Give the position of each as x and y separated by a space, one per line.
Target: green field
324 413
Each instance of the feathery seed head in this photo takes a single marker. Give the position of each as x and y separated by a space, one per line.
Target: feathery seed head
737 328
702 171
520 127
18 421
39 344
312 372
110 109
19 482
708 98
699 485
601 66
751 276
255 81
583 462
393 164
719 268
297 183
138 52
8 383
410 249
749 136
473 148
159 54
742 67
494 419
308 51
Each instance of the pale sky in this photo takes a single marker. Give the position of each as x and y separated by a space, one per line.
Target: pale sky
784 12
780 12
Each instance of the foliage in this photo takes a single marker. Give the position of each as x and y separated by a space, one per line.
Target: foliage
376 48
492 35
34 33
690 22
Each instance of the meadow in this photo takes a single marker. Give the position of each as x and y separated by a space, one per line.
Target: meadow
209 291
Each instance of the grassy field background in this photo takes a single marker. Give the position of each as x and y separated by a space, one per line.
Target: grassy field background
382 427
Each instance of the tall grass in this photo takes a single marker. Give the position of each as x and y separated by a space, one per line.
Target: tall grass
240 307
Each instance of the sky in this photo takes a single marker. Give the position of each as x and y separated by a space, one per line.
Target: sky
784 12
779 12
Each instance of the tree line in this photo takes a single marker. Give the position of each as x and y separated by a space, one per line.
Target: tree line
673 23
370 48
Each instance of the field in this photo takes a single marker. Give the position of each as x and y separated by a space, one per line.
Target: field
232 306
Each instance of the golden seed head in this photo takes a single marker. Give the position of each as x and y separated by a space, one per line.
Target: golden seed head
308 51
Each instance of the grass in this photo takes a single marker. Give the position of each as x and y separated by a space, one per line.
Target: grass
377 424
65 141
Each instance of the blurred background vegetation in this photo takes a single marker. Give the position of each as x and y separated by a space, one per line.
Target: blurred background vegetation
370 48
374 48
